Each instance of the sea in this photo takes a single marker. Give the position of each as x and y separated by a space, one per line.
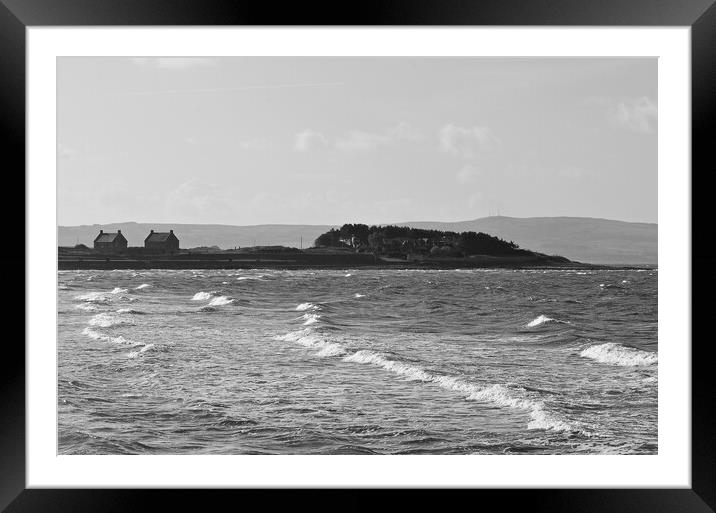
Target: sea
357 361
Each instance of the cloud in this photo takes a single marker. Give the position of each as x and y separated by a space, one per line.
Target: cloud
310 140
174 63
639 114
466 142
636 114
357 140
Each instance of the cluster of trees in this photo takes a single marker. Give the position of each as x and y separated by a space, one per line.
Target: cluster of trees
380 238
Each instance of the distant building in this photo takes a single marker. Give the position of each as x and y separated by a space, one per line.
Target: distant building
161 242
110 242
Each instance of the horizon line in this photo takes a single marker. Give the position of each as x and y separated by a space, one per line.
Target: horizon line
360 222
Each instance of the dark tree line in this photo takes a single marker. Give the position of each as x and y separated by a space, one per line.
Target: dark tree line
377 238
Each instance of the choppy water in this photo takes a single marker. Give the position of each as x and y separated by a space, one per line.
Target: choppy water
357 361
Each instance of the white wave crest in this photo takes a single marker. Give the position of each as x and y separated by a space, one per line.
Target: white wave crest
498 395
130 311
89 332
308 338
257 277
94 297
616 354
356 295
542 319
310 318
202 296
221 300
105 320
306 306
365 356
118 290
88 307
143 350
142 286
538 321
96 335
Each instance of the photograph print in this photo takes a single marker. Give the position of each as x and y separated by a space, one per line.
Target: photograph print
357 255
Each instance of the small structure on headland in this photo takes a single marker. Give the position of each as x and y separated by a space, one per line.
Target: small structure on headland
110 242
161 242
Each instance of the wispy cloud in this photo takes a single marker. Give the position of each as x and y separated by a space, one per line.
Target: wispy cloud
356 140
466 142
638 115
174 63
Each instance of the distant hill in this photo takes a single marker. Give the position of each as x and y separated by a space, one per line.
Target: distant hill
598 241
584 239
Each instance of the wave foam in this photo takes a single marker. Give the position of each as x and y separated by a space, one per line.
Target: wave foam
221 300
88 307
105 320
310 318
616 354
118 290
96 335
94 297
498 395
310 339
129 311
539 320
307 306
143 350
142 286
202 296
356 295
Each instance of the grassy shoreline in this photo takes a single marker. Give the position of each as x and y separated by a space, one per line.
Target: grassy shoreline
324 262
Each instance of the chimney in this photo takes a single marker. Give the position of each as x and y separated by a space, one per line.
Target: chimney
171 231
101 232
151 231
119 232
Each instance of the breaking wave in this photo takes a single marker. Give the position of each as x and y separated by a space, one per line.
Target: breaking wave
498 395
130 311
356 295
94 297
309 338
105 320
307 306
118 290
310 318
142 286
143 350
221 300
616 354
202 296
88 307
542 319
96 335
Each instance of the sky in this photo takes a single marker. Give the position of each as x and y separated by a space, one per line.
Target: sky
330 140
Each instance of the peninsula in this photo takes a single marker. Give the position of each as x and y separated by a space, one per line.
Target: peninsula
351 245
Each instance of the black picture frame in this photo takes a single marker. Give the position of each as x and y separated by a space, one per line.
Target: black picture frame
700 15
